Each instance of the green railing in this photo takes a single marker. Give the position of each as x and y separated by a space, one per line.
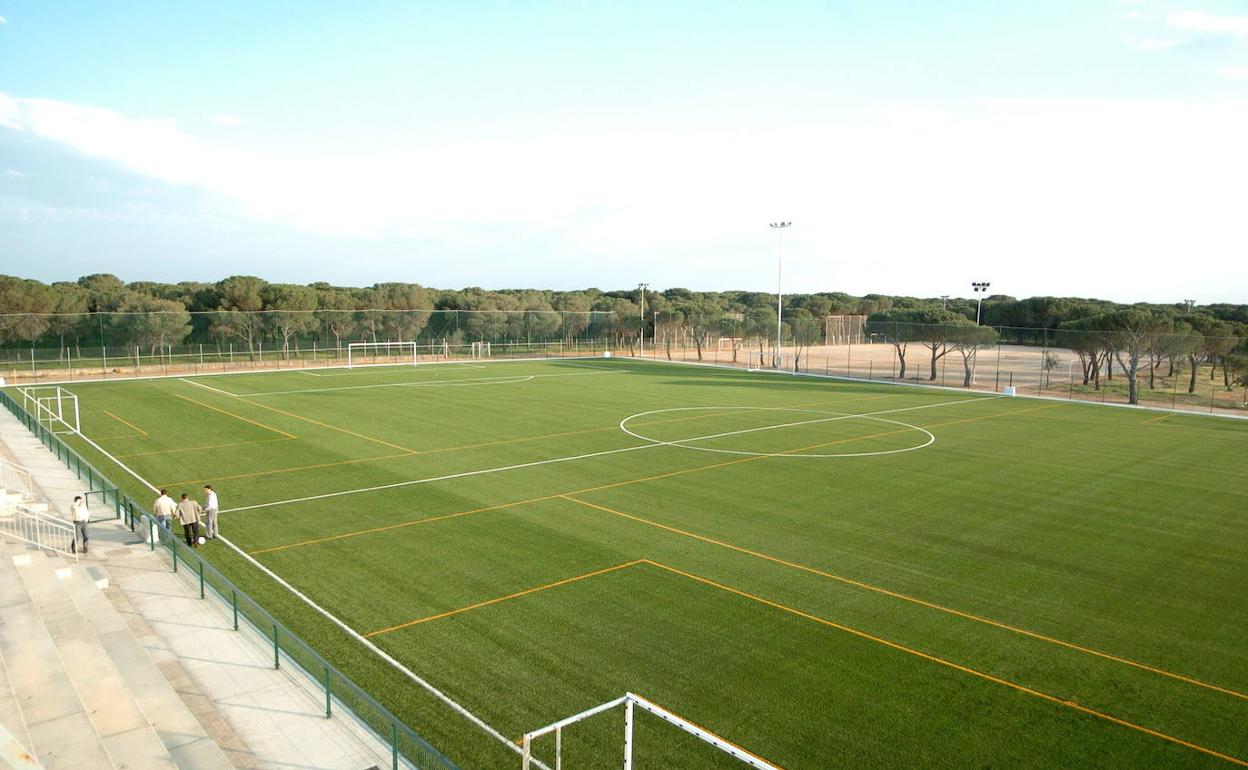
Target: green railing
100 492
406 747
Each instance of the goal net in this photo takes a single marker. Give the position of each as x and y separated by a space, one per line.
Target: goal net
380 353
554 755
481 350
53 407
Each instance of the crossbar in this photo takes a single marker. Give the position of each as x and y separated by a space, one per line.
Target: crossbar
631 701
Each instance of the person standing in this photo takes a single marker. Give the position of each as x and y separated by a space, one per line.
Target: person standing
210 512
79 514
163 509
188 513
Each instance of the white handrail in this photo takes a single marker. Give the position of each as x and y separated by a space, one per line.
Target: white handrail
16 478
33 527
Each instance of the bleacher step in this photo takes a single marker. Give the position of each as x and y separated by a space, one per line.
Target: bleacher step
59 733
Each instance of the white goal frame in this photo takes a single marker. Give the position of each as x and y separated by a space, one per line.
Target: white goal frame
52 406
630 702
385 347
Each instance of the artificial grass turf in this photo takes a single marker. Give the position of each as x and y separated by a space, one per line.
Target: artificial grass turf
1090 525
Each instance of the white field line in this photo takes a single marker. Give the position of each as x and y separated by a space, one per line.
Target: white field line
554 460
515 378
462 711
407 672
119 463
89 380
814 421
310 374
209 387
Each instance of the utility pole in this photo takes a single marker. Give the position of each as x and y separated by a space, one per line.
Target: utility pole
641 341
779 227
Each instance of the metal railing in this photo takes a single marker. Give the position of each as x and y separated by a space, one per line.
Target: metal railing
407 748
32 526
97 487
16 479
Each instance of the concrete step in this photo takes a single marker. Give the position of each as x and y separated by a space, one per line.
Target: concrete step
59 731
12 592
181 734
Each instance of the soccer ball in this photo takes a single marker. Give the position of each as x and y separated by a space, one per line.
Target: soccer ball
202 540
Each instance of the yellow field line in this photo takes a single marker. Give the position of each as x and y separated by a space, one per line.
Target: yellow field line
1070 704
915 600
515 595
1157 419
326 425
197 448
586 490
253 474
126 423
247 420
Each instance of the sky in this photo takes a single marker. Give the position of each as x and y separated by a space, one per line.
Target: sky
1070 147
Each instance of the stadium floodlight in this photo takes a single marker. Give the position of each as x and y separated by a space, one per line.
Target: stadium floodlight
980 288
641 342
944 301
779 227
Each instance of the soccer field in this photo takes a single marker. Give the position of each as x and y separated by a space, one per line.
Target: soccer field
826 573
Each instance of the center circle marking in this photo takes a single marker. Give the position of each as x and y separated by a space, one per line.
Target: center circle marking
831 417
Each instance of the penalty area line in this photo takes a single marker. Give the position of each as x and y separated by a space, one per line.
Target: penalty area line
209 387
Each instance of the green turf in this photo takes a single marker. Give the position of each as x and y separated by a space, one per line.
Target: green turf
839 591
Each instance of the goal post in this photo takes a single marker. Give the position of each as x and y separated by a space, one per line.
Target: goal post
631 702
53 407
367 353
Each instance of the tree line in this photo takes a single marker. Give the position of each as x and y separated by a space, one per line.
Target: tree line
102 310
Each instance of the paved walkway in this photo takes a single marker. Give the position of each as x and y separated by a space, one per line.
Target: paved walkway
213 691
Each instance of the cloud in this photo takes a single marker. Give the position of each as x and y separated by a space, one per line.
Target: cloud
1208 23
1236 73
227 120
3 21
1150 43
1009 183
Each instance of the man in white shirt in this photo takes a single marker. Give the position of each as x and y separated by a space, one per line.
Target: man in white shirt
79 515
163 509
210 512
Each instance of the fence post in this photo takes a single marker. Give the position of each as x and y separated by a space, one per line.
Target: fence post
201 578
151 535
174 541
117 505
329 708
277 662
394 745
234 606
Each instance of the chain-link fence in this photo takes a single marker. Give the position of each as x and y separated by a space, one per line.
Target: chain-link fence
1150 363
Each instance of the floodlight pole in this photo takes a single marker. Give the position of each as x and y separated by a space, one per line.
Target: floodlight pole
980 288
944 301
779 227
641 342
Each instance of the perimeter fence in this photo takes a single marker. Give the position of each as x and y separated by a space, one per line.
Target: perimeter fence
406 748
1163 363
1181 371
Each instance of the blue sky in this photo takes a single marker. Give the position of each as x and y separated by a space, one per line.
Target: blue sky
1074 148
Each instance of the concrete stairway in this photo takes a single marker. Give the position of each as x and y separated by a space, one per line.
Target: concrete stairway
77 689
